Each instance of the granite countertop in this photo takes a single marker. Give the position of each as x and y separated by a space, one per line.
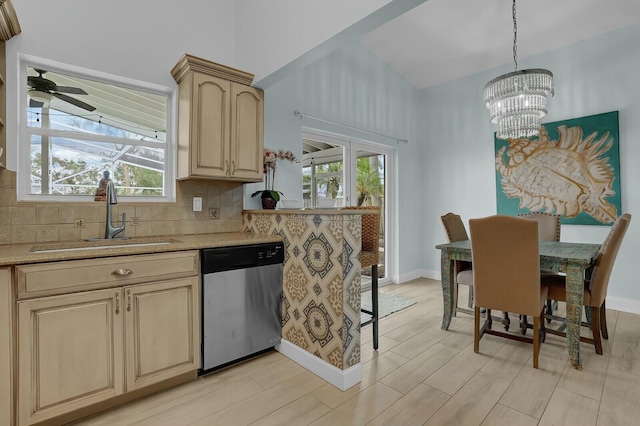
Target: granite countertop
15 254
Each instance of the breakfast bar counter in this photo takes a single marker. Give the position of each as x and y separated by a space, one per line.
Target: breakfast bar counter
321 301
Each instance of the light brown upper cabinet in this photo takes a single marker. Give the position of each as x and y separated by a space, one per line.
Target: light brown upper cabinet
221 122
9 27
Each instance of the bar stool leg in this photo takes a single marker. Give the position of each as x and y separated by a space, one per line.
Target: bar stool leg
374 304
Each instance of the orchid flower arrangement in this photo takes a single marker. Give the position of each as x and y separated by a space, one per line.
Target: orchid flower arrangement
270 161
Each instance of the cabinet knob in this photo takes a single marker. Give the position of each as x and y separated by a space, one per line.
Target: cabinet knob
128 300
117 303
122 272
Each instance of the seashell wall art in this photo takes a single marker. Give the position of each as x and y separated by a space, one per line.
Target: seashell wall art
572 168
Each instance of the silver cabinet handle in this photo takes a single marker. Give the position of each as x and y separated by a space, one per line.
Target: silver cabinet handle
128 300
227 170
117 303
122 272
233 167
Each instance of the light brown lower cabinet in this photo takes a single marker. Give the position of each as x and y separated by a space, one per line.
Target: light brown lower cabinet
79 349
162 331
6 314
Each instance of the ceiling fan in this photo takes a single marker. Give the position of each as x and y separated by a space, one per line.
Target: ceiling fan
42 89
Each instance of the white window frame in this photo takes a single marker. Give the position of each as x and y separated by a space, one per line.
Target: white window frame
23 175
350 146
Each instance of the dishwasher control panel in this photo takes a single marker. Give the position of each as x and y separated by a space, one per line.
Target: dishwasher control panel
269 253
237 257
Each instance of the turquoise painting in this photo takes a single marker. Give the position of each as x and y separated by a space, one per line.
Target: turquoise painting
572 168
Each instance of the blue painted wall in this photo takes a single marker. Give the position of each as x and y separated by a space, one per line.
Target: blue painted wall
449 163
349 86
591 77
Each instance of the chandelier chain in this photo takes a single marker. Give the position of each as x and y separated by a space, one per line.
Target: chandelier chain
515 37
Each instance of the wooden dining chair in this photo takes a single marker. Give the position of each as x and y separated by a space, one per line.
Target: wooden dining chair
595 286
549 226
370 257
506 274
455 231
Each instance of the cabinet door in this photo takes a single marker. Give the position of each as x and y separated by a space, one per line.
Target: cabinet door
162 331
247 132
6 314
70 352
210 133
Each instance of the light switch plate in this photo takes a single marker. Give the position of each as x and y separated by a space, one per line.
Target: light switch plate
197 204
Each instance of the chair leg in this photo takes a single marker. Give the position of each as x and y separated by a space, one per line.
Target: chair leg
506 321
595 328
523 324
549 309
374 304
536 339
470 302
603 321
454 300
476 329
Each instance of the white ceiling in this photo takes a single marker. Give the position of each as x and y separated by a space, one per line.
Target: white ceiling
444 40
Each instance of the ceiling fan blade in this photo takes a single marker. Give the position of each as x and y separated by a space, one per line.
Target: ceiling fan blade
35 104
74 101
71 90
40 83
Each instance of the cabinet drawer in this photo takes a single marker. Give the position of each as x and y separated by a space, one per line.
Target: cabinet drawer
45 279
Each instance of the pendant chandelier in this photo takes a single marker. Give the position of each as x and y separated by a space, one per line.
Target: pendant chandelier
517 101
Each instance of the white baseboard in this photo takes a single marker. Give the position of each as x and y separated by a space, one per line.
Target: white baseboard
631 306
431 274
342 379
412 275
624 305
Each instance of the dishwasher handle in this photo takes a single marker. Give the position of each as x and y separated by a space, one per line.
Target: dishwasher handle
241 257
217 260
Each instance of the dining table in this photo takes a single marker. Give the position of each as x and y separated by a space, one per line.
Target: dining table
573 259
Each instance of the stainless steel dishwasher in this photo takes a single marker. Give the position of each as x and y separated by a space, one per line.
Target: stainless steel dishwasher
241 302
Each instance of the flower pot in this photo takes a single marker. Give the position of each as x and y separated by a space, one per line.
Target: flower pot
268 203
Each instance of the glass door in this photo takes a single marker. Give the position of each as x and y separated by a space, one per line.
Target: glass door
338 171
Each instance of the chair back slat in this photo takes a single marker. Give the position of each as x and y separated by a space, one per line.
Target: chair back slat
454 227
506 264
548 225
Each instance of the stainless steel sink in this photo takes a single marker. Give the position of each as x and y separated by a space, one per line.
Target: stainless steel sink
100 244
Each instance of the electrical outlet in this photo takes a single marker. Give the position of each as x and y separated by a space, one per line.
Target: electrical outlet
214 213
78 223
197 204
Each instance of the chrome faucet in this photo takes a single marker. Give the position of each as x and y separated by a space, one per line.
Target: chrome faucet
107 190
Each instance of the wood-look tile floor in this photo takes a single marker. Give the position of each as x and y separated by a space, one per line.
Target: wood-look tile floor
419 375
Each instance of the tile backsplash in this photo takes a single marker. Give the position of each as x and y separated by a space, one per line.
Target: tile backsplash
29 222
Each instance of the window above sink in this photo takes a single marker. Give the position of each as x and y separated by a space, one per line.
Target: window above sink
77 123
